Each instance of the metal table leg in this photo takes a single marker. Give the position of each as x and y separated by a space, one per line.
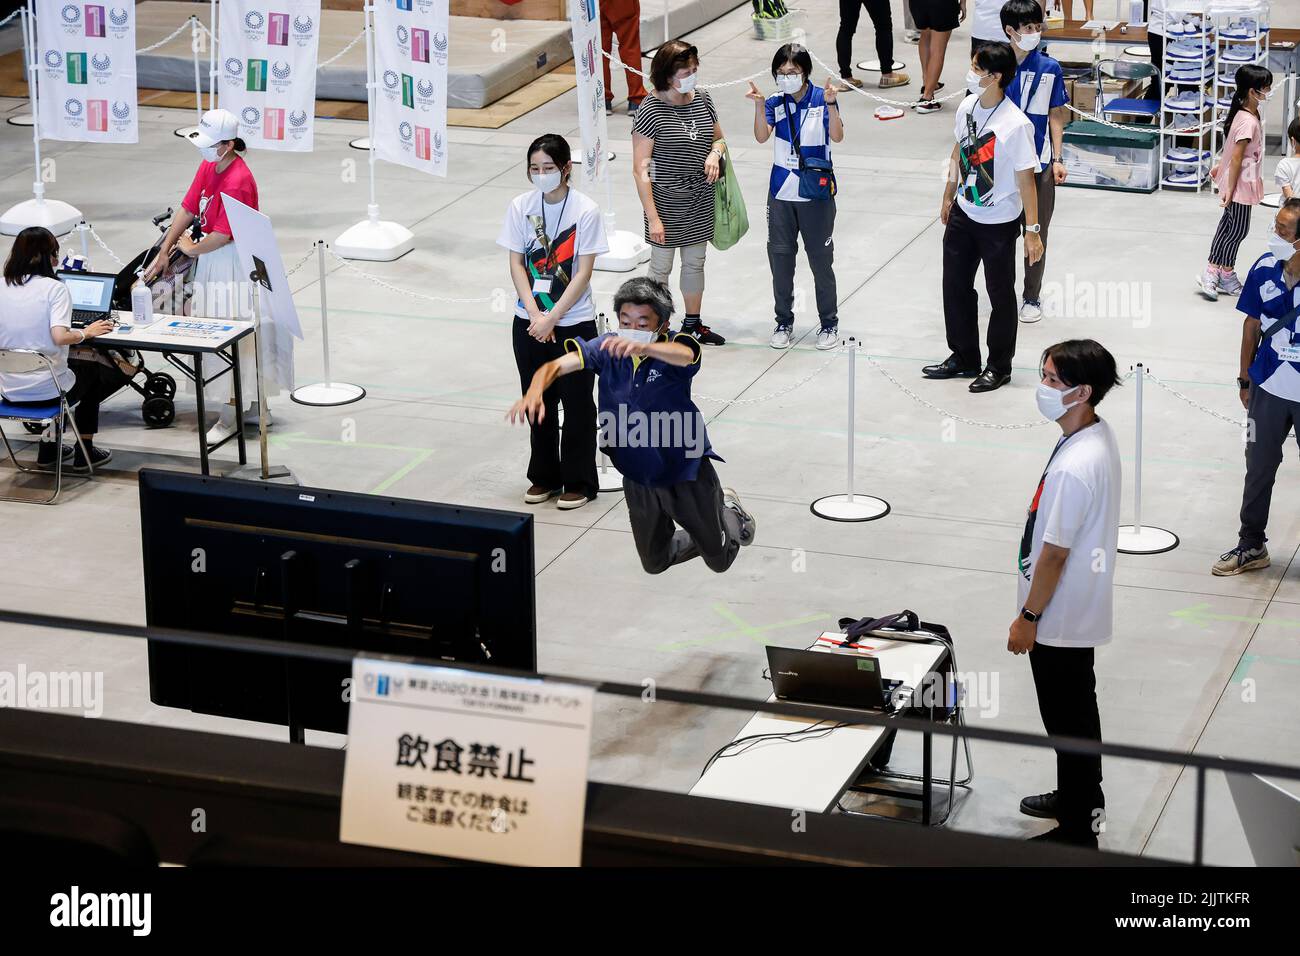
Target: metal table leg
239 406
927 785
203 430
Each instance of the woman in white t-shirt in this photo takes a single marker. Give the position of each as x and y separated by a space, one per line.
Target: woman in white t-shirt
553 234
36 314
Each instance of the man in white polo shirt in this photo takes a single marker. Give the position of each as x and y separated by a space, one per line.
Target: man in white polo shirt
1066 576
1269 381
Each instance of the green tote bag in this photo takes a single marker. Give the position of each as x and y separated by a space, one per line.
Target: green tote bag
730 220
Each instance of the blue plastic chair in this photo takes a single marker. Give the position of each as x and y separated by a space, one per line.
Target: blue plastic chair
56 413
1125 106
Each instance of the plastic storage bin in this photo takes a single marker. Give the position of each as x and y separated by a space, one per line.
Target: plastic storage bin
1098 156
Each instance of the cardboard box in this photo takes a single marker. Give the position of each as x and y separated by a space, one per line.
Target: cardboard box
1083 93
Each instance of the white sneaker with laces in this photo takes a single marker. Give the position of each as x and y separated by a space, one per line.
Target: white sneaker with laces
1229 284
1030 312
780 338
827 339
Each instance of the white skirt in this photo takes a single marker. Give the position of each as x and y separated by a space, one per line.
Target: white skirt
221 293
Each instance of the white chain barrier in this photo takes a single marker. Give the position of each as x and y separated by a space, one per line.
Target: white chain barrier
1234 422
355 40
779 392
960 91
943 411
187 25
11 16
406 292
103 245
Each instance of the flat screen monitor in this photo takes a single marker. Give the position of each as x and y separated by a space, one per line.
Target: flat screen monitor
314 566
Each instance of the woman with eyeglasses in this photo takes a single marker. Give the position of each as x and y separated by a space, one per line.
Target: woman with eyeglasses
36 315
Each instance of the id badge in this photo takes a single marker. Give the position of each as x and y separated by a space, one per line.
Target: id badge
542 285
1291 351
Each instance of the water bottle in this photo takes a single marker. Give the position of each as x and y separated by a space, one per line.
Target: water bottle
141 304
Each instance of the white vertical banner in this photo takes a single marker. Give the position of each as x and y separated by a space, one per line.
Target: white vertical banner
410 121
584 17
268 70
86 81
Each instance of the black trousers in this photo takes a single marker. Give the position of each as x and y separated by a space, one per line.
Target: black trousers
966 246
95 382
1272 418
709 529
565 461
1156 44
1067 700
878 10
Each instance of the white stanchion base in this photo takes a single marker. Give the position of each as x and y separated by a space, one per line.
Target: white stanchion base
54 214
1147 541
873 66
610 478
325 394
361 142
185 132
22 119
375 241
627 250
1272 200
842 508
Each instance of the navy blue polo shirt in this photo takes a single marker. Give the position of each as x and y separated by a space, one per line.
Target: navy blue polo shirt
649 426
1264 296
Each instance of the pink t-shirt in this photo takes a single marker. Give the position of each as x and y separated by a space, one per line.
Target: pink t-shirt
204 197
1250 183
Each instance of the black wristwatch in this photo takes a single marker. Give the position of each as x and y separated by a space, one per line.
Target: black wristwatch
1030 616
1243 384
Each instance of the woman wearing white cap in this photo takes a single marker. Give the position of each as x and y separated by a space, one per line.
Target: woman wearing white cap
220 291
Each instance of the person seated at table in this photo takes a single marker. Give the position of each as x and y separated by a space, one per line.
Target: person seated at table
36 314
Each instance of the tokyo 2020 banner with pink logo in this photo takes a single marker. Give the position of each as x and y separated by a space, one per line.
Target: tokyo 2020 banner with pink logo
85 79
267 64
410 122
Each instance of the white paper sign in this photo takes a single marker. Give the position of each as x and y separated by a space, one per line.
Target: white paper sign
466 765
86 71
268 70
584 18
411 46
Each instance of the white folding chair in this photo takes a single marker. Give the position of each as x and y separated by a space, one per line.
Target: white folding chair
55 413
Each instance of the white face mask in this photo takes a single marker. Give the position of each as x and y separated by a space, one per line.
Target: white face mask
643 336
1051 401
1029 41
1280 248
789 84
1266 96
210 154
687 85
975 81
546 182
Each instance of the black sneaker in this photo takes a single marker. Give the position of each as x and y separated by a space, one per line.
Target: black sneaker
1041 805
45 455
706 336
927 106
98 457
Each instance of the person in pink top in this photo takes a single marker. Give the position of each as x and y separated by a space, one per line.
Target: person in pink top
1237 176
220 291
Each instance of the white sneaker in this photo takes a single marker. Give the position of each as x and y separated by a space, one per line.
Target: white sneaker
827 339
1030 312
1208 283
781 337
747 523
1229 284
912 36
220 431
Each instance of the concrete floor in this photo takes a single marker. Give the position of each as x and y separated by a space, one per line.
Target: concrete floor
440 378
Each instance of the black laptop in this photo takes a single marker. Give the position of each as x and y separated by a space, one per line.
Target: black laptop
839 680
92 295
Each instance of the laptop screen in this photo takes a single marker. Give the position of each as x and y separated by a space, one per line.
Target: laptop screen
90 291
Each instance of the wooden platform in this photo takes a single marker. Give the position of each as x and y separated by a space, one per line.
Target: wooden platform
494 116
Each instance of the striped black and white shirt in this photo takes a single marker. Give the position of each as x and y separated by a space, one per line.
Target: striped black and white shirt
683 137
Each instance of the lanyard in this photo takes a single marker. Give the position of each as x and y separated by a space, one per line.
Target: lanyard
970 122
550 255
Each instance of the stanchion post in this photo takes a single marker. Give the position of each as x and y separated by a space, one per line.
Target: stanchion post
328 392
850 506
196 42
1134 538
26 119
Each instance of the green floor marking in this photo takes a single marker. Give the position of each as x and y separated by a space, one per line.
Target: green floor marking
1198 614
420 455
742 628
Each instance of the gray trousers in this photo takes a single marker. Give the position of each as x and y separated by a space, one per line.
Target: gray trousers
709 529
1272 418
1046 205
815 222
